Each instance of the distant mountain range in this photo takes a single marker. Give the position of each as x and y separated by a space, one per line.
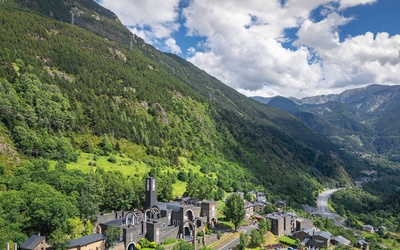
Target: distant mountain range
365 121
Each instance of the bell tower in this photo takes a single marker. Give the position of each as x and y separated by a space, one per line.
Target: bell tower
151 192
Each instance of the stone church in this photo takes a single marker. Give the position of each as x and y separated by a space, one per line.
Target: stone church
179 219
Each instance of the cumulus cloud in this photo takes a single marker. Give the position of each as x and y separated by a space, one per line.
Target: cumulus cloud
344 4
171 44
153 20
245 45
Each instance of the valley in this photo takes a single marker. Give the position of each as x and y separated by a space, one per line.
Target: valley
85 119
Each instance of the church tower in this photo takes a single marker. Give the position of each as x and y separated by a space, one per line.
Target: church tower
151 192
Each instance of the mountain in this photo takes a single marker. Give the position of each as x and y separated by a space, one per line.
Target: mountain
78 91
363 120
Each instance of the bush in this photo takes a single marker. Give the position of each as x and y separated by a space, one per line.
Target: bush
112 159
144 242
182 176
169 241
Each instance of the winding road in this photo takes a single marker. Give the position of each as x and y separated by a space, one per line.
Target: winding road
323 209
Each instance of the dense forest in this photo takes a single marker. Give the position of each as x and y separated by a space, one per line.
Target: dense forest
68 95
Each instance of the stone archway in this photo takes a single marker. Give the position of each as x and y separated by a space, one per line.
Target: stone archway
131 246
188 228
134 218
152 213
189 215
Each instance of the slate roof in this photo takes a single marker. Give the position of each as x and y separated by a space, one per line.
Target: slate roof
85 240
342 240
362 242
115 223
32 242
305 241
324 234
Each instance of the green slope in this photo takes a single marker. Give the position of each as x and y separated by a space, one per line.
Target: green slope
68 93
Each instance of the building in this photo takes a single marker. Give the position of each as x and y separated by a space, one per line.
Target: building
35 242
161 220
306 234
368 228
249 207
302 224
340 240
280 223
363 245
320 240
88 242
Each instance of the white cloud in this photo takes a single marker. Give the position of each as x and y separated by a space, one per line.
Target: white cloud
242 43
151 19
171 43
344 4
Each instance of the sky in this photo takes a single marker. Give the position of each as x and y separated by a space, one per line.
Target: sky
292 48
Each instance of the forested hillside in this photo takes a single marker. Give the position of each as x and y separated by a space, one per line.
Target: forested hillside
70 98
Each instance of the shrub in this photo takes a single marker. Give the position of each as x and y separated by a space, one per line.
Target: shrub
169 241
112 159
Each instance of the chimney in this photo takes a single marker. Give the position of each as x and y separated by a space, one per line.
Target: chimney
8 246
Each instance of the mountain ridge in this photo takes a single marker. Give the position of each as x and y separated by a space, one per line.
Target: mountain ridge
368 115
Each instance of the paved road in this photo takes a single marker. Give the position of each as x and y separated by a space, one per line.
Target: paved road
235 242
323 209
322 202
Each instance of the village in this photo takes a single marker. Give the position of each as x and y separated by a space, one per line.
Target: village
183 219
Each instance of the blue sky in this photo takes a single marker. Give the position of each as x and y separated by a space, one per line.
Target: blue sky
275 47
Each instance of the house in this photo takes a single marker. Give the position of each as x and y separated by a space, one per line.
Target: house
368 228
260 197
306 234
280 203
89 242
259 207
363 245
302 224
320 240
35 242
249 207
280 223
340 240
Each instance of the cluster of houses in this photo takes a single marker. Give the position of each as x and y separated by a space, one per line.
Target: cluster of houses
180 219
303 229
183 218
289 224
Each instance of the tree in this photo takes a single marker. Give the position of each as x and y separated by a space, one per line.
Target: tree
75 227
262 226
59 240
243 241
88 228
113 235
249 196
219 194
269 208
256 238
164 188
106 145
234 209
183 245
